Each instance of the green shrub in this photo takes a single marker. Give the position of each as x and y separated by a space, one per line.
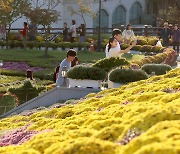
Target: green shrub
152 41
109 63
31 44
2 43
86 72
53 45
156 49
87 45
137 48
80 46
7 103
26 92
153 59
141 42
58 39
127 75
146 60
124 46
146 48
159 69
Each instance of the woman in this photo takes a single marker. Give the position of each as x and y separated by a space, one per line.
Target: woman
128 34
111 49
73 31
176 38
82 32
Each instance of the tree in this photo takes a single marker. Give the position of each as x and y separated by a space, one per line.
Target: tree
84 8
11 11
44 14
172 14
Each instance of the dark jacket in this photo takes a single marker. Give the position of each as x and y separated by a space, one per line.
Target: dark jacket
165 33
176 35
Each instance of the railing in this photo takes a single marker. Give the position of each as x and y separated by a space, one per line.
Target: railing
146 31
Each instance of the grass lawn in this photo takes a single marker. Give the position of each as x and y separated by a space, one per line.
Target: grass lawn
35 58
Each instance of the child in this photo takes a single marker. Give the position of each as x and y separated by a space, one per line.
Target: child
66 63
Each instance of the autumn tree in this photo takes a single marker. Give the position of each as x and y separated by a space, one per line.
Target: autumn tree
11 11
172 14
84 8
44 13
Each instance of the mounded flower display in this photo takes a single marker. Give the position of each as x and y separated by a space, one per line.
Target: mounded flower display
141 117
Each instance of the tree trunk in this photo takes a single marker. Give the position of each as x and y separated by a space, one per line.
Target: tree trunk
7 36
46 41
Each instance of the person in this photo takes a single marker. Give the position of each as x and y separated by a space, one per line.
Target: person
65 33
128 34
176 38
24 34
66 63
2 31
82 31
73 31
32 31
116 51
75 62
56 71
165 34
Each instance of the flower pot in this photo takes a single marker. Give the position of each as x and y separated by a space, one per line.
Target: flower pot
85 83
114 85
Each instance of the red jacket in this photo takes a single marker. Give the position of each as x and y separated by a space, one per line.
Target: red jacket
24 31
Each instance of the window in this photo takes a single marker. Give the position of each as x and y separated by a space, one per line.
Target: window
104 19
119 17
135 13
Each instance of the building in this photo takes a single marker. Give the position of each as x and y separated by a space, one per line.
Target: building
114 13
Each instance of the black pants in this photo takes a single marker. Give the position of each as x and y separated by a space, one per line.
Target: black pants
176 44
165 43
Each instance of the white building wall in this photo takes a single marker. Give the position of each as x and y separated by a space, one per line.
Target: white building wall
109 6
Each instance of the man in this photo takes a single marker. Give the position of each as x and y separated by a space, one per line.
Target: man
117 34
65 33
165 34
65 64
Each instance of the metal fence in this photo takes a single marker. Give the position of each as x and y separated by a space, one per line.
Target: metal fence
145 31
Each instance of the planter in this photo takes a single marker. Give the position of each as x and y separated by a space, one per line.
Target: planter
114 85
85 83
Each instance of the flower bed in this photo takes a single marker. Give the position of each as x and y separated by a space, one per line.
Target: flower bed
20 66
141 117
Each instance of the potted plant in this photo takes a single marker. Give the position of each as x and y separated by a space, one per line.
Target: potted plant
86 76
120 77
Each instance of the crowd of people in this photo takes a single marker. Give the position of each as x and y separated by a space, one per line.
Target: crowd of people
168 33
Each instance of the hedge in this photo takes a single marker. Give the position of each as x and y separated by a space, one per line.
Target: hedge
159 69
127 75
86 72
